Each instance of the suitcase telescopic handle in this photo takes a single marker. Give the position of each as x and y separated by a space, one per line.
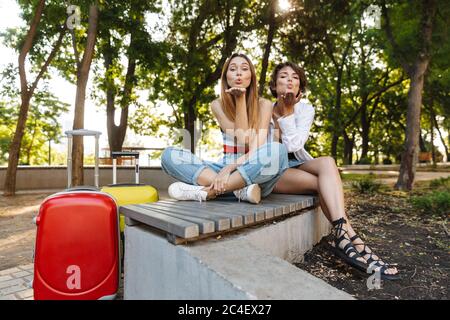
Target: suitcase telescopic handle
81 132
118 154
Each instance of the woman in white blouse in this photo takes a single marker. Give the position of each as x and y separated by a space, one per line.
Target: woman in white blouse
293 119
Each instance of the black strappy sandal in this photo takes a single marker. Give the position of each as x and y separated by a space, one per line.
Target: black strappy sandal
375 262
345 253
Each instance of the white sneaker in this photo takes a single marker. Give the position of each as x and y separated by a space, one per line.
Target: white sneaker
184 191
251 193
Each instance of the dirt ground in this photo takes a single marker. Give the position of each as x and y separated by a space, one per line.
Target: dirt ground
419 244
17 230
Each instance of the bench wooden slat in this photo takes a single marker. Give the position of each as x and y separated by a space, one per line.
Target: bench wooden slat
259 213
291 197
205 226
231 207
224 206
278 209
247 211
300 201
221 222
292 204
166 223
236 219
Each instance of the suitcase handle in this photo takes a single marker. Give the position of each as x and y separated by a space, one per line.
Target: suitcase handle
82 188
126 185
81 132
117 154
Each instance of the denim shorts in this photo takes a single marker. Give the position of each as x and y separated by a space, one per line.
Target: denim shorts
264 167
294 163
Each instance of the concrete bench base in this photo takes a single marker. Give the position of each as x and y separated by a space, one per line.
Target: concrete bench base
254 263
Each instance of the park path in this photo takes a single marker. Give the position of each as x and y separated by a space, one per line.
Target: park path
420 175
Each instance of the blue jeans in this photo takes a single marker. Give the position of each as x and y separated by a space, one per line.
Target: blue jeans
264 167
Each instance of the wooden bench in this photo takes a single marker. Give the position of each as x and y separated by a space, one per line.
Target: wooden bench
246 251
187 221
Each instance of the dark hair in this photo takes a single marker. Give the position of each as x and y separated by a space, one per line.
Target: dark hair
296 68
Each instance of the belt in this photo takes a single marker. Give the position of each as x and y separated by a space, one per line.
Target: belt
291 156
234 149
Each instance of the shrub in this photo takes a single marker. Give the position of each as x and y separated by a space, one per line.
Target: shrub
387 161
441 182
366 185
363 161
434 203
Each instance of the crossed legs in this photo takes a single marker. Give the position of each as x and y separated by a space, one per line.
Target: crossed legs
207 176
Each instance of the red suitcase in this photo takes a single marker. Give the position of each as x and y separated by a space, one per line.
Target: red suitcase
77 242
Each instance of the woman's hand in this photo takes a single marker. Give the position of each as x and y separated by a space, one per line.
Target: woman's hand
220 183
235 91
288 99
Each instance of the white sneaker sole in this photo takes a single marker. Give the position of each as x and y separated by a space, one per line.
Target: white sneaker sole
176 191
172 190
254 194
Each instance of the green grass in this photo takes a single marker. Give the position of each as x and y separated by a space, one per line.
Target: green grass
365 176
433 203
440 183
366 185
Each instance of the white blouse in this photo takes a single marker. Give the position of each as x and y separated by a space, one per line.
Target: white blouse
295 130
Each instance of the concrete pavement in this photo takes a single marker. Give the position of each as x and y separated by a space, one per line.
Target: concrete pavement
15 283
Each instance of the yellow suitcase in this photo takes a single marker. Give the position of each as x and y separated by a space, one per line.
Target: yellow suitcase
128 193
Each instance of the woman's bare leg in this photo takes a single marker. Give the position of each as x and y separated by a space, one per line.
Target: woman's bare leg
332 193
207 176
297 181
289 183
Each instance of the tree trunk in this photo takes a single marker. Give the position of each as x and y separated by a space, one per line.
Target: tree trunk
416 74
364 131
30 146
26 94
121 130
270 35
433 151
14 148
348 149
410 154
116 133
433 118
422 146
82 79
337 116
189 124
